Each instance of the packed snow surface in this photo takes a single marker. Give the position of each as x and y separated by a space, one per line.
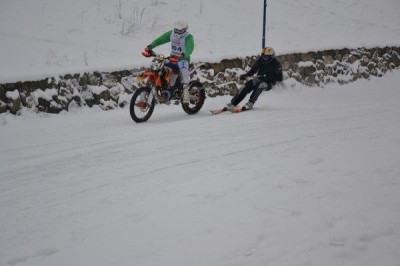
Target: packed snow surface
310 176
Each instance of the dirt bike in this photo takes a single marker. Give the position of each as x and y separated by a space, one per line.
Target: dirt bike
155 89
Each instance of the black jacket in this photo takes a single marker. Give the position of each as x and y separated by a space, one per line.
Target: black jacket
270 72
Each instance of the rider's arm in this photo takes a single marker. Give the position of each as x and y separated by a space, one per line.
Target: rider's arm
189 42
161 40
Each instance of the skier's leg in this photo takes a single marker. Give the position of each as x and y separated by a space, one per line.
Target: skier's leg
247 88
260 88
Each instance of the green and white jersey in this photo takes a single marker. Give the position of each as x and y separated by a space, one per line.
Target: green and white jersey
183 45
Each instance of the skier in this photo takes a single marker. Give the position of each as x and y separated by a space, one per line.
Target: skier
182 45
269 71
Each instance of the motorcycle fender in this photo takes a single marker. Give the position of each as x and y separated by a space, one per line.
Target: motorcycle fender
196 87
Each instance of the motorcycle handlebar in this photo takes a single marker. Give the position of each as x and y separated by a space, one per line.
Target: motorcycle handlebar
151 53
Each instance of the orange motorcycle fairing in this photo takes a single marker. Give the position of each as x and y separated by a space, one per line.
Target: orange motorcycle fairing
150 75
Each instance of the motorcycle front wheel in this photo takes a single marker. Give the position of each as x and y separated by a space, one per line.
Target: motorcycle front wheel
139 108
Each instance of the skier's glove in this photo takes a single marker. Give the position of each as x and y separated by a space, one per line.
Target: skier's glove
268 87
243 77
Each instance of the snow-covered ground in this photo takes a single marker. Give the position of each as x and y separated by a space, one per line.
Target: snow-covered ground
42 38
311 176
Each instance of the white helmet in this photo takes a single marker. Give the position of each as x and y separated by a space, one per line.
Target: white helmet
180 28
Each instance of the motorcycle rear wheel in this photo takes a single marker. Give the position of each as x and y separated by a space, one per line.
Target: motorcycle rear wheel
139 108
197 98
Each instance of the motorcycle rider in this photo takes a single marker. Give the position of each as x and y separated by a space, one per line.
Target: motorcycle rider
182 46
269 71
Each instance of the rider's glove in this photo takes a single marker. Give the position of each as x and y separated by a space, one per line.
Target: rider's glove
147 51
176 57
180 56
173 59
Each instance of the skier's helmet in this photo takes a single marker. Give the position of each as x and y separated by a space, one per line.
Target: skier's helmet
180 28
267 54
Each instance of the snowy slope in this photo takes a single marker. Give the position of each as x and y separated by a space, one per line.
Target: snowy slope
309 177
46 37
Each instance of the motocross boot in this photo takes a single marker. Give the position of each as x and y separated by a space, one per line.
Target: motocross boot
185 94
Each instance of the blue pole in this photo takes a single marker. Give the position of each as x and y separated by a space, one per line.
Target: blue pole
264 22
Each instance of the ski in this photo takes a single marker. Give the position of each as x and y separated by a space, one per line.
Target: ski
218 111
237 109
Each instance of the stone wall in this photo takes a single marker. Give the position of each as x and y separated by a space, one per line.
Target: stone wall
312 68
112 90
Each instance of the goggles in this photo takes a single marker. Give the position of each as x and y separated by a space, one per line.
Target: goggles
179 31
267 58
